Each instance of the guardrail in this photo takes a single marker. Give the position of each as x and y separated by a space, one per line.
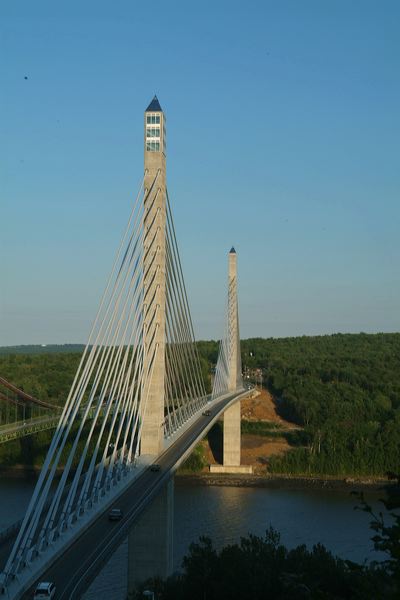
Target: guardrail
23 422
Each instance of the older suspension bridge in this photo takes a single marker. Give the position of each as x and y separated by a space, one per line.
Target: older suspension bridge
138 399
22 414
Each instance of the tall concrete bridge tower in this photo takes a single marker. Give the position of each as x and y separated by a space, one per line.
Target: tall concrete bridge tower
151 539
154 268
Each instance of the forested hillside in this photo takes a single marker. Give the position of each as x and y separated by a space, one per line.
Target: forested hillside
47 377
344 389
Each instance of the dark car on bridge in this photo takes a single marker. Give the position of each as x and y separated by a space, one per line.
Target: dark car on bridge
115 514
206 413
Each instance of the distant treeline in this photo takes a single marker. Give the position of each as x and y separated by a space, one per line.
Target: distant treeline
41 348
344 389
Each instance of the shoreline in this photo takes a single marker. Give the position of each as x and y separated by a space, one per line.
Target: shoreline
275 480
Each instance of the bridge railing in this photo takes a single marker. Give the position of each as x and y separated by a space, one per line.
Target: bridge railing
24 422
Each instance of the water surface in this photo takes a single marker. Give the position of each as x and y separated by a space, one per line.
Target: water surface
225 514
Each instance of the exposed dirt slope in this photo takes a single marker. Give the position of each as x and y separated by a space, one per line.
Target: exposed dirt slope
264 408
256 449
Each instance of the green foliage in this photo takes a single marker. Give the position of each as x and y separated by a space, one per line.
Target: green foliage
259 568
31 450
47 377
345 390
263 428
209 350
295 437
196 460
387 537
10 453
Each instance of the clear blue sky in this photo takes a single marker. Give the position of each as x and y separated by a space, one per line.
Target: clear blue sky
283 140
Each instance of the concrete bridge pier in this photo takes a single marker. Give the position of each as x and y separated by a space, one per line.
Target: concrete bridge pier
150 541
232 436
232 444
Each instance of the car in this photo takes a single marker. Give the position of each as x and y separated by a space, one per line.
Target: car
44 590
115 514
155 468
206 413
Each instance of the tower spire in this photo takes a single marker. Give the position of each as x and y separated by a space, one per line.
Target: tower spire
154 105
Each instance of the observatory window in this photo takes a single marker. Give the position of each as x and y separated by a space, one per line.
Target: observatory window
153 146
153 132
153 119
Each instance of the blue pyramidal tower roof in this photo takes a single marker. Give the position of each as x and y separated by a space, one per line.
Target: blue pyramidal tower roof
232 250
154 106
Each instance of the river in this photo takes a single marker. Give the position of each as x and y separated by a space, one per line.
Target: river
225 513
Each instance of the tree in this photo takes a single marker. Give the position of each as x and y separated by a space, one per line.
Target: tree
387 537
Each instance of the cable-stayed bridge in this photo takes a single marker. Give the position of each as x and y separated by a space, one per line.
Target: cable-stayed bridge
138 399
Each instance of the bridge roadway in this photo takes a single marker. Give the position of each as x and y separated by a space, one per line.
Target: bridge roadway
77 567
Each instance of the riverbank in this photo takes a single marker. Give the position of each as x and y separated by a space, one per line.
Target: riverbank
275 480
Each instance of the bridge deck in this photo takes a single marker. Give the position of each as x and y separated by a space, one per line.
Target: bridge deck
74 570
